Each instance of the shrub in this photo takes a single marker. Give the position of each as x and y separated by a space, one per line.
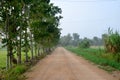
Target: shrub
84 43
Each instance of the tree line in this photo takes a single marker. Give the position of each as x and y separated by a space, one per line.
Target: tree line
110 41
75 40
28 25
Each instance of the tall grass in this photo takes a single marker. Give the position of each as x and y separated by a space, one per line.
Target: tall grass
97 56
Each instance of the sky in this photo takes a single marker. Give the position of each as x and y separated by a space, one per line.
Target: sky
89 18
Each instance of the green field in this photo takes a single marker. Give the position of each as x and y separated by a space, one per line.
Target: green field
3 57
98 56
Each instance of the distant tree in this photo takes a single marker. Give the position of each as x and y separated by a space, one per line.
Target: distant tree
104 37
75 39
85 43
97 41
66 40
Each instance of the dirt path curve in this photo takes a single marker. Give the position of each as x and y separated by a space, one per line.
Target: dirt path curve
63 65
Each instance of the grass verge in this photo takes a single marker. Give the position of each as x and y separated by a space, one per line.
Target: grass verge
97 56
15 73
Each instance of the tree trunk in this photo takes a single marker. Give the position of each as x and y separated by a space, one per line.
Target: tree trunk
7 60
10 53
19 54
38 51
35 49
26 46
19 47
31 42
6 32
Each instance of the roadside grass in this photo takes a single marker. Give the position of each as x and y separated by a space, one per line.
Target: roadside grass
15 73
104 60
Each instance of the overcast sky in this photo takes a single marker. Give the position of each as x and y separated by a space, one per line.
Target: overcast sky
89 17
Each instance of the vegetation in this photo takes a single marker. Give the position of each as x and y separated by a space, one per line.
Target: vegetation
75 40
25 25
98 56
108 57
112 43
29 29
2 59
15 73
84 43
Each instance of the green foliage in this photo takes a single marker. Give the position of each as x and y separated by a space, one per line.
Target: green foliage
19 69
84 43
27 23
112 41
97 56
75 40
97 41
66 40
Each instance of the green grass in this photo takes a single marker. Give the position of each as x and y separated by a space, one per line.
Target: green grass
3 57
15 73
97 56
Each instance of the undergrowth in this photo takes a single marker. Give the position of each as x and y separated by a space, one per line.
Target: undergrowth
15 73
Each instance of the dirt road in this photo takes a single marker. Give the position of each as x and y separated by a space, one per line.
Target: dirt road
63 65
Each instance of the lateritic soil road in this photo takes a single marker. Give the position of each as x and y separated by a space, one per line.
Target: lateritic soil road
64 65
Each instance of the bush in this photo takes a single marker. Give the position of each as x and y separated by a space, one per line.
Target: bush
84 43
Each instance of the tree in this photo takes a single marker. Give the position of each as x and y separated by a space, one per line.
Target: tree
43 26
66 40
75 39
25 23
10 19
96 41
84 43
